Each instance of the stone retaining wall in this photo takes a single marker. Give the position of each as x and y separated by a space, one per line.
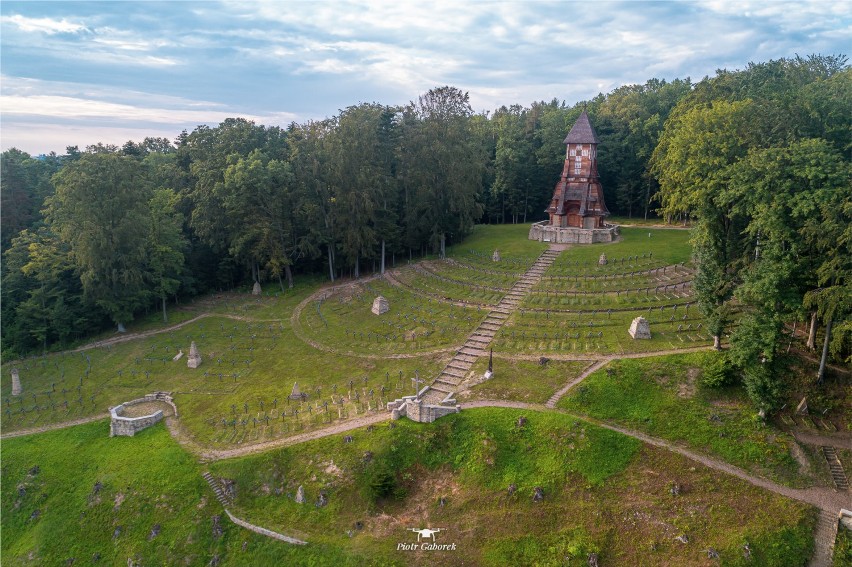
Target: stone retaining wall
543 232
129 426
416 410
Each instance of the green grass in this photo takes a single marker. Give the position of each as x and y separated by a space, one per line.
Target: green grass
511 240
664 246
603 492
522 380
663 397
56 513
843 548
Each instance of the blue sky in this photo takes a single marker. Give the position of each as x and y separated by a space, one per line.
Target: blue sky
77 73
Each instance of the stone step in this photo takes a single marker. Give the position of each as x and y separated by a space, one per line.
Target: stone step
500 315
446 389
449 380
473 351
460 364
466 358
454 373
490 326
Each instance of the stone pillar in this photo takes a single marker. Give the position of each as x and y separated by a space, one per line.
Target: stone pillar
16 383
255 290
194 358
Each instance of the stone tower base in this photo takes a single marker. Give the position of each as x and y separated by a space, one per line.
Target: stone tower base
543 232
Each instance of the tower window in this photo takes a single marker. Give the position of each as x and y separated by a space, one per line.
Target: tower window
585 153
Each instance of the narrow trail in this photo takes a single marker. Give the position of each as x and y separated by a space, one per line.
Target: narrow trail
54 426
208 455
594 367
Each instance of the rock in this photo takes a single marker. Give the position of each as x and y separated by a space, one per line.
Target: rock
380 306
538 494
300 495
194 358
543 360
217 527
602 260
640 329
322 500
712 554
255 290
683 538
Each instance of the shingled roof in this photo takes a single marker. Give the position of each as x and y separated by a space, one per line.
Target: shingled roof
582 132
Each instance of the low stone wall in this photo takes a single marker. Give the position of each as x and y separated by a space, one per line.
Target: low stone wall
417 410
264 531
543 232
129 426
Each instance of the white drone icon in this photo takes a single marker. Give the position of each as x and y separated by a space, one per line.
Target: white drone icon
426 533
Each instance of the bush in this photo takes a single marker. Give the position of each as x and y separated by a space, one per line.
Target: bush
718 372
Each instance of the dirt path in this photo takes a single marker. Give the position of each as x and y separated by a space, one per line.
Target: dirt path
214 455
822 498
839 440
594 367
54 426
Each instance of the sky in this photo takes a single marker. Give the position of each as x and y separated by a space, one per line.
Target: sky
79 73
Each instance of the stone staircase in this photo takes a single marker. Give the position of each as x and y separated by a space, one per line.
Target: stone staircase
836 468
477 343
220 494
824 538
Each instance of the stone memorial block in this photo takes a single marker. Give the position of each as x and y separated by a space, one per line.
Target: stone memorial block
639 328
296 394
300 495
496 256
255 290
380 305
16 383
602 260
194 358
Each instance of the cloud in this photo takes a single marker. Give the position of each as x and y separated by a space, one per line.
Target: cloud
47 26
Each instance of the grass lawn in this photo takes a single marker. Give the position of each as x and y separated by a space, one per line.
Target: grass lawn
77 493
663 396
521 380
603 493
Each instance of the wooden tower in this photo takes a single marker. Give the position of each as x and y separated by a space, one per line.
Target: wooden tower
578 200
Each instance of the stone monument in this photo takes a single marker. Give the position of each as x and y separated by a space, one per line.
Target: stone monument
602 260
300 495
296 394
16 383
490 372
194 358
255 290
380 305
639 328
496 256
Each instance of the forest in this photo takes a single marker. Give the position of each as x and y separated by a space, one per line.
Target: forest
758 159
